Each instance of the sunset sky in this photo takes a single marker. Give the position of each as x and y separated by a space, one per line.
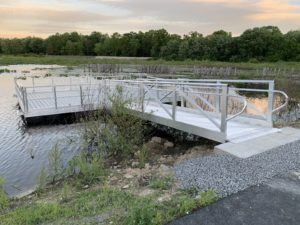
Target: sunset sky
21 18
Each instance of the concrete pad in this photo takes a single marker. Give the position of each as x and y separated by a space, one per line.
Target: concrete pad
260 144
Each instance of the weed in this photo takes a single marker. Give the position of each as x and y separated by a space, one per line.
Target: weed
41 181
56 168
88 170
3 196
207 197
161 183
65 192
143 213
143 156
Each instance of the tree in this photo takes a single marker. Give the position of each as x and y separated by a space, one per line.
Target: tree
265 43
218 46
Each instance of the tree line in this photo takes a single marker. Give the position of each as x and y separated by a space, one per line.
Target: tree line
258 44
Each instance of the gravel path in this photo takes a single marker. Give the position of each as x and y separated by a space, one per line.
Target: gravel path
227 174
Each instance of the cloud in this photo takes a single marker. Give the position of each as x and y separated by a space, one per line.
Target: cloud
44 17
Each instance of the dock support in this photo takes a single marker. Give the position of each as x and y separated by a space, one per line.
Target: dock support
224 104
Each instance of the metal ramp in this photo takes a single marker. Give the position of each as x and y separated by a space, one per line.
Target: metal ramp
215 109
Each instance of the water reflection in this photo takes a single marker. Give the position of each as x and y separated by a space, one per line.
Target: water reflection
24 150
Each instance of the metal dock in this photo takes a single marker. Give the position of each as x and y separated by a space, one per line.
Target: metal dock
214 109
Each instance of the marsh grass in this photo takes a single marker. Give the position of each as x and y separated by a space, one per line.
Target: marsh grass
56 166
3 196
41 181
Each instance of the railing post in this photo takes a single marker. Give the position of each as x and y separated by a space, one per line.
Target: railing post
224 107
104 93
174 104
142 96
33 84
270 103
55 97
182 99
218 97
81 96
25 99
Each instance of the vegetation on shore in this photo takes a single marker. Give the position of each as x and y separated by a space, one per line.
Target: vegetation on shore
83 60
254 45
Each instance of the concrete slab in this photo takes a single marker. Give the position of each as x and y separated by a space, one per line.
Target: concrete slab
260 144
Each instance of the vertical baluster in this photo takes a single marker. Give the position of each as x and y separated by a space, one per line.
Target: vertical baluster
224 107
174 103
270 103
55 97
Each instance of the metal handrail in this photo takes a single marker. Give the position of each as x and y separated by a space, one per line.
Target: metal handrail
285 102
243 109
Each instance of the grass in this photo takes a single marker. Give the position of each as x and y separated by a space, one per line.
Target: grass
81 60
161 183
122 207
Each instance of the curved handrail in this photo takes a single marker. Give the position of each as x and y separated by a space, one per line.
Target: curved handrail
285 101
243 109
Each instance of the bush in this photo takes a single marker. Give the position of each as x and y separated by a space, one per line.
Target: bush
113 131
253 60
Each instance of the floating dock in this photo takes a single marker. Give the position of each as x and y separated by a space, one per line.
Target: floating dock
213 109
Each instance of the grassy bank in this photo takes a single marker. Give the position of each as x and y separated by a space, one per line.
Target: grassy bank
80 60
102 204
140 191
123 175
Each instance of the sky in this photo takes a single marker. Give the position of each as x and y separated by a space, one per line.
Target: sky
41 18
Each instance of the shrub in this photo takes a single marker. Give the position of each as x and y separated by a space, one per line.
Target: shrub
113 132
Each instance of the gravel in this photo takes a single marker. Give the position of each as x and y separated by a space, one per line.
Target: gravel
226 174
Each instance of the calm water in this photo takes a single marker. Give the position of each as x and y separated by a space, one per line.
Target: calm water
19 143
